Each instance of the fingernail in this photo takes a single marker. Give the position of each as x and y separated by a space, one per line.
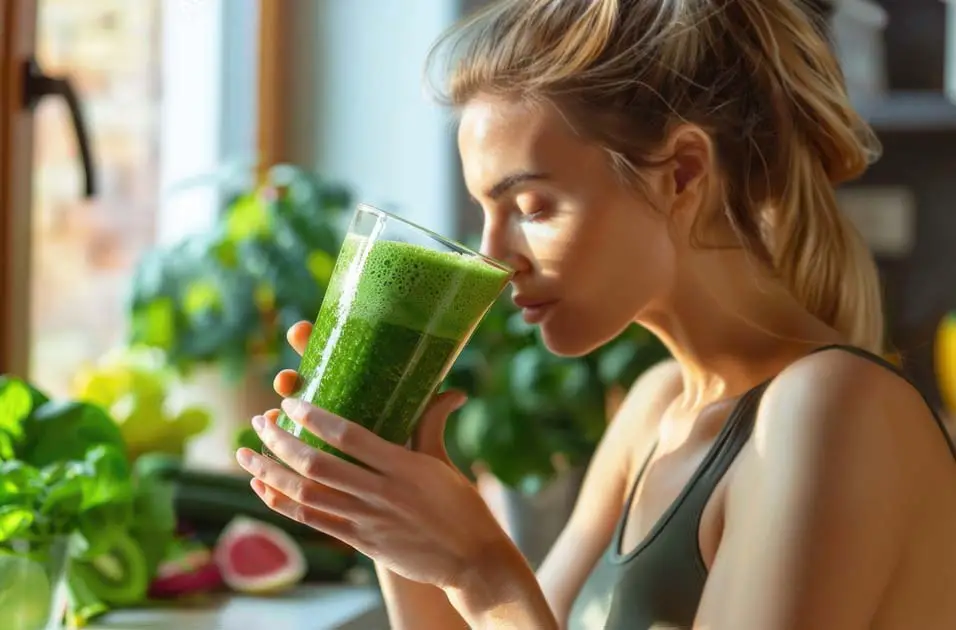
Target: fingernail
459 403
293 407
259 423
243 457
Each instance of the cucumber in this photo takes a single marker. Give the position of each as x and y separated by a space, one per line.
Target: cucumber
196 506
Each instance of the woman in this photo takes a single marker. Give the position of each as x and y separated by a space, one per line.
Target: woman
670 163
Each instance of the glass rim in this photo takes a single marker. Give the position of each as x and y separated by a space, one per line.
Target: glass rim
444 240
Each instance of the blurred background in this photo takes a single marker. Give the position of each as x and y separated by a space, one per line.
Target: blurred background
159 236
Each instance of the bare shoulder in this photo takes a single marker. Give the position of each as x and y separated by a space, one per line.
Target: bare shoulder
845 469
845 410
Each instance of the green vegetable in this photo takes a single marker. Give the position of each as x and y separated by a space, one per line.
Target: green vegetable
228 295
118 575
65 472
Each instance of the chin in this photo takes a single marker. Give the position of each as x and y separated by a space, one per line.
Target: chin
576 336
569 341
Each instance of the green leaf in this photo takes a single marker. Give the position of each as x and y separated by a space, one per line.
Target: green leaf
6 446
201 295
153 324
320 264
64 498
64 431
16 403
248 218
109 481
15 520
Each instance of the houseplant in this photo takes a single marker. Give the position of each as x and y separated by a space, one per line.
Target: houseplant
535 419
227 296
219 303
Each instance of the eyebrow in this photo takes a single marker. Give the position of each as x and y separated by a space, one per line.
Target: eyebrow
513 180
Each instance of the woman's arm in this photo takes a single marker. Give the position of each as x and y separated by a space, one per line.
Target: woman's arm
416 606
817 513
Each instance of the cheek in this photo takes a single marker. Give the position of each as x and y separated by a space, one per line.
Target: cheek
610 271
619 255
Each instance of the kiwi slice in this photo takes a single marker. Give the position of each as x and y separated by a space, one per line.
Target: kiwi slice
119 575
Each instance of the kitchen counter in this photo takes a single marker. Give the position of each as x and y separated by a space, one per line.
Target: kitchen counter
310 607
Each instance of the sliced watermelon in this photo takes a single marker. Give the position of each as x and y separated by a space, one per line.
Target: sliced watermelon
256 557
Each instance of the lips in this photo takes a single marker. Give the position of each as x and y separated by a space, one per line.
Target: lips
533 310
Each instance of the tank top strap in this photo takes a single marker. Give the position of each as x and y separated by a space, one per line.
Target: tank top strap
739 432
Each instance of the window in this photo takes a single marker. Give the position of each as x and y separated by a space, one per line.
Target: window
168 95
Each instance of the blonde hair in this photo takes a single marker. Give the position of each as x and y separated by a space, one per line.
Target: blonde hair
757 75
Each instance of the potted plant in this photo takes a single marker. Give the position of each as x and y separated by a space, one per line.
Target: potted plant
226 297
535 419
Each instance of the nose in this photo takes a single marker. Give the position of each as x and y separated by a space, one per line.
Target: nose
498 241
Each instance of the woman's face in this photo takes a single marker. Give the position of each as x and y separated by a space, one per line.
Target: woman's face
589 252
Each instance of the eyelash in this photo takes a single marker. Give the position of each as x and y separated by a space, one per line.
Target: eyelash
541 213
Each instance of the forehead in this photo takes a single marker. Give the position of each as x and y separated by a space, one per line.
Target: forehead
498 136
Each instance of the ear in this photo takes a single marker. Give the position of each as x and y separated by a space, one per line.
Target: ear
690 152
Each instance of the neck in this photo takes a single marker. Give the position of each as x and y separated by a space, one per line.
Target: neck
730 325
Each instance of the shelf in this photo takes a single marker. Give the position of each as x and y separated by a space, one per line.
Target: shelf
909 112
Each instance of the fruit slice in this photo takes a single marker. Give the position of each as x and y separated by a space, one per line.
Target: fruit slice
189 571
119 575
256 557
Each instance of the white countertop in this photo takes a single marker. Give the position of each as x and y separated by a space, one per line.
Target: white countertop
310 607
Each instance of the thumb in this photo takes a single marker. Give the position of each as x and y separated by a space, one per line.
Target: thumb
430 435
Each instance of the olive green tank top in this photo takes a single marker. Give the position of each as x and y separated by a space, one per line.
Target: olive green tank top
660 582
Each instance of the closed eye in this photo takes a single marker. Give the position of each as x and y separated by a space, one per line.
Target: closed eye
535 207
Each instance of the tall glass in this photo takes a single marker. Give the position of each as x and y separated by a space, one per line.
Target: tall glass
401 304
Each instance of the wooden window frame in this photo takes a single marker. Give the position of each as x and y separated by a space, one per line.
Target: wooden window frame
273 141
18 19
17 32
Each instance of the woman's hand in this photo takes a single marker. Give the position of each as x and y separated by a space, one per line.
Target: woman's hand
411 511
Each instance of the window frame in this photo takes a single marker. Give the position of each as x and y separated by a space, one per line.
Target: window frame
17 30
230 90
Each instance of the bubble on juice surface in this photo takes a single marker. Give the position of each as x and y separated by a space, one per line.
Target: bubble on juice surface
417 287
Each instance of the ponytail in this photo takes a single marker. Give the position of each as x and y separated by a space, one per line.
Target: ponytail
822 142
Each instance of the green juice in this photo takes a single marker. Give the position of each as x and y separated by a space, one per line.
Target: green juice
392 323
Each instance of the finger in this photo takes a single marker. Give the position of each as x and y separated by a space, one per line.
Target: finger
317 465
350 438
298 336
326 523
298 488
286 383
272 415
430 434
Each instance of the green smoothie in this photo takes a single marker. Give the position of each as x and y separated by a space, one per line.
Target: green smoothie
393 321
